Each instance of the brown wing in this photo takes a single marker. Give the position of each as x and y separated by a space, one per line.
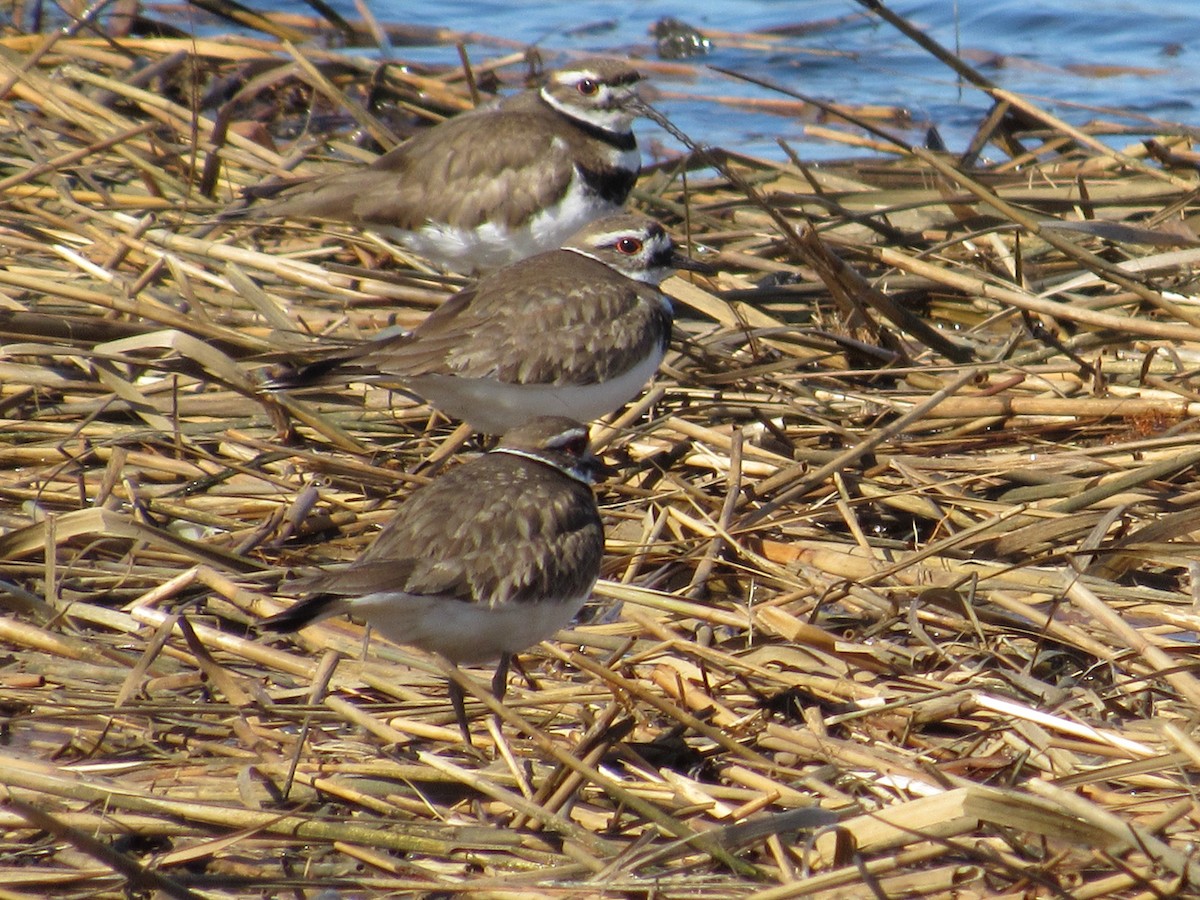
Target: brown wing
363 576
525 532
494 329
365 361
456 173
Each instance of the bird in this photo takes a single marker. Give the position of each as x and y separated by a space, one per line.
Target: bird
494 185
576 331
478 564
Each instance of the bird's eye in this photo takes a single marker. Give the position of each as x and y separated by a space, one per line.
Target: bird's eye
588 87
572 443
629 246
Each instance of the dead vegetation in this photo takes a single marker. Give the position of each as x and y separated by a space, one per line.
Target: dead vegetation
905 531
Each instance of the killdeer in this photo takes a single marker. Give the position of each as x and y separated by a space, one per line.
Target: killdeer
489 187
577 331
491 557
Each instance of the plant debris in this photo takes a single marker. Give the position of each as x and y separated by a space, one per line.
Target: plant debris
900 592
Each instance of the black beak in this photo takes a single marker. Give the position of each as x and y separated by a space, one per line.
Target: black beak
679 261
597 469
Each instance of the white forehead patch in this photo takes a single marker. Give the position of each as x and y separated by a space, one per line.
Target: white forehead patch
570 76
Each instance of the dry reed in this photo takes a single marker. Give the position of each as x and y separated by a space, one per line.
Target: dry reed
904 537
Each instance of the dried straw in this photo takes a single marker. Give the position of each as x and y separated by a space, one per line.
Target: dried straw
899 595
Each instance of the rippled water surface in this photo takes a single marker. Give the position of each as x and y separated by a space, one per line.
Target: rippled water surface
1143 58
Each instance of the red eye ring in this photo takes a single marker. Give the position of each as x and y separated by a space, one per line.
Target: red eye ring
572 443
629 246
588 87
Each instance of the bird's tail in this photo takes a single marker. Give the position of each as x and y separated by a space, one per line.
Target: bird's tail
291 376
305 612
259 201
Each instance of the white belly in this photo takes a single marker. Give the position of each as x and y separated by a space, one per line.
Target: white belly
465 632
491 246
494 407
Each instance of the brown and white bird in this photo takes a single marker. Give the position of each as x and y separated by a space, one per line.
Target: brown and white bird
577 332
486 188
489 558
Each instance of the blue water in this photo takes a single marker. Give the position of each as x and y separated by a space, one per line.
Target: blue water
1024 45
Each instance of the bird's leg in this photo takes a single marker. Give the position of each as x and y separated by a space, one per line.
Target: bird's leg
516 663
458 701
500 687
458 698
500 679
